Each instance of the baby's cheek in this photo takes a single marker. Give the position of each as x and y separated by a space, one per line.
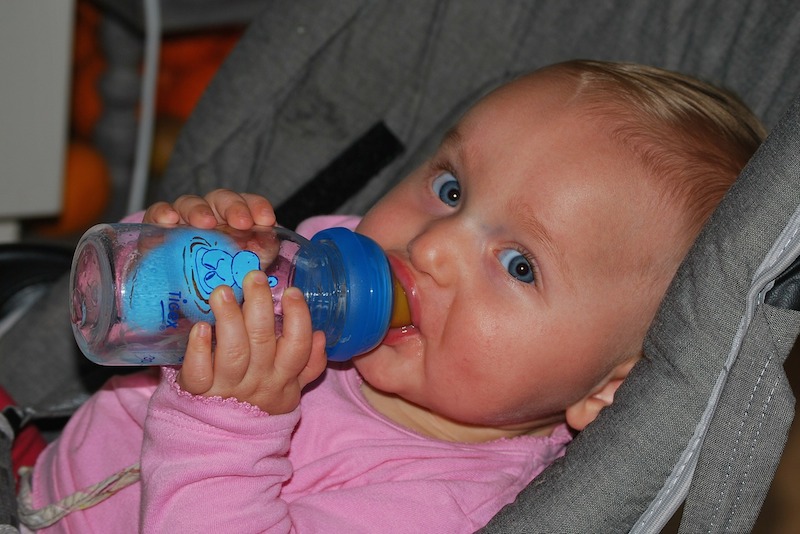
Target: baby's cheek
367 225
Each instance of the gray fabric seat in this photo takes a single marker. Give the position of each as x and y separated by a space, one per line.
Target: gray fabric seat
309 77
704 417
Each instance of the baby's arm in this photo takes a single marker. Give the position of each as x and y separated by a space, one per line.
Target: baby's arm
228 449
212 464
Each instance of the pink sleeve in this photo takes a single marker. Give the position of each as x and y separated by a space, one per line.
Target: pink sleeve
312 225
213 462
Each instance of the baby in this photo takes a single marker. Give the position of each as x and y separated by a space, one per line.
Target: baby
535 246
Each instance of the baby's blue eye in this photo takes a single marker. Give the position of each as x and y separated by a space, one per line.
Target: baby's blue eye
447 188
517 265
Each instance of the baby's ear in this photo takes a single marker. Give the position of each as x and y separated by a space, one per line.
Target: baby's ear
583 412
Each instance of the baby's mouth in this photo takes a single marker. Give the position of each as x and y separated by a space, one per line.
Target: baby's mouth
401 324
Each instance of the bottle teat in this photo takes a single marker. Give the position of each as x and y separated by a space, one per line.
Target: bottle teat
401 314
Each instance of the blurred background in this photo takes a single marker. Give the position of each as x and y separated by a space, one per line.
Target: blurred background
74 98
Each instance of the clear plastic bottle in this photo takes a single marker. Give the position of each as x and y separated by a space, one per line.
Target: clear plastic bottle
137 289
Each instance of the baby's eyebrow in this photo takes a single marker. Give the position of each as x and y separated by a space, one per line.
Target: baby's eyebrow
453 140
522 212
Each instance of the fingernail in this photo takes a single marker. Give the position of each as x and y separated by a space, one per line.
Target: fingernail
267 215
203 329
227 294
292 293
259 277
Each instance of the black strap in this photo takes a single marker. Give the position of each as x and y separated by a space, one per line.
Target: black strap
343 177
14 418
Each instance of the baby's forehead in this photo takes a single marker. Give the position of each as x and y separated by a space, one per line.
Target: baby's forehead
600 230
542 98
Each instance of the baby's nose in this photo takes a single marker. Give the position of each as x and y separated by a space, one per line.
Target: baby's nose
440 251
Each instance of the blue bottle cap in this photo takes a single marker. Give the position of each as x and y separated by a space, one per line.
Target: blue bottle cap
369 287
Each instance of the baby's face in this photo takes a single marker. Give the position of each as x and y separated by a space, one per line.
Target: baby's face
520 245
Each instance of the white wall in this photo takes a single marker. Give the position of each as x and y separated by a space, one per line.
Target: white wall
35 65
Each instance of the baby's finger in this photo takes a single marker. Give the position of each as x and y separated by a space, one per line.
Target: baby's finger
316 362
259 320
232 352
260 208
195 211
197 374
231 208
161 213
294 345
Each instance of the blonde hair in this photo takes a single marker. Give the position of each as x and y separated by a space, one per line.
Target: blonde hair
693 136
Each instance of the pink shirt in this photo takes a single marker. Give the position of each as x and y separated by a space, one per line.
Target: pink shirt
332 465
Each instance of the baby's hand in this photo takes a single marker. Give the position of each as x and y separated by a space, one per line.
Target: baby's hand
249 362
238 210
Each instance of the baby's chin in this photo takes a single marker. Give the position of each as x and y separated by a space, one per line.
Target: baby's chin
382 368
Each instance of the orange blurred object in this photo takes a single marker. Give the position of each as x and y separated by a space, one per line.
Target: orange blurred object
164 137
201 47
88 66
87 20
188 63
179 98
86 104
87 188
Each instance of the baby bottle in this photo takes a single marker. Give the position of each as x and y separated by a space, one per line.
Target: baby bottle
137 289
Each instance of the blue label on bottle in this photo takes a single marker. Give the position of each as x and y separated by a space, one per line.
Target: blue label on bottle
176 278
